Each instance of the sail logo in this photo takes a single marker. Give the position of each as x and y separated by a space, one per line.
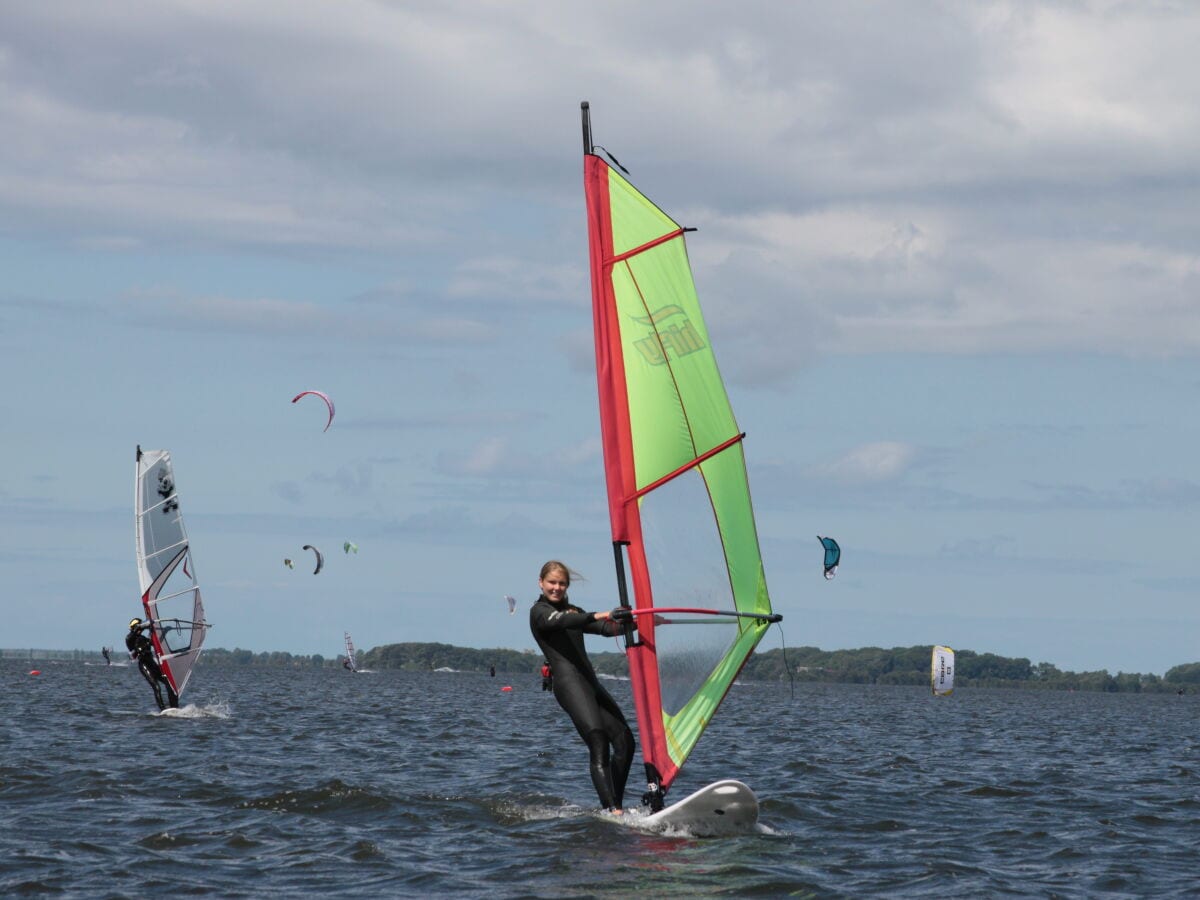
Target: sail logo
166 487
667 341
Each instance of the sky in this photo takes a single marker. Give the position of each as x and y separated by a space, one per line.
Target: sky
947 254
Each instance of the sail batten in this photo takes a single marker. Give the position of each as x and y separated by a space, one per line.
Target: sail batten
164 597
160 552
679 501
161 503
695 462
649 245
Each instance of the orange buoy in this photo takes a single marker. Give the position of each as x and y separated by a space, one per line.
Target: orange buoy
507 687
35 671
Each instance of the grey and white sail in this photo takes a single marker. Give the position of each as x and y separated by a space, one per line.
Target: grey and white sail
166 570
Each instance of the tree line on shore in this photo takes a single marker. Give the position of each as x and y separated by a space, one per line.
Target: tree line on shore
866 665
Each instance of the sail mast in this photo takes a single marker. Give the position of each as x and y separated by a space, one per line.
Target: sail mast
618 460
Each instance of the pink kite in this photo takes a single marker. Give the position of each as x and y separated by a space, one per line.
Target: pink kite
324 397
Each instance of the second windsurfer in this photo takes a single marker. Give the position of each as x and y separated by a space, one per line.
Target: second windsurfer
558 627
141 649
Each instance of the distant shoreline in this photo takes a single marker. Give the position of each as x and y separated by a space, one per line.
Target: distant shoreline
866 665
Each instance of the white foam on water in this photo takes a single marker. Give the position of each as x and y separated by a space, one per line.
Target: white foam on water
636 819
539 812
218 710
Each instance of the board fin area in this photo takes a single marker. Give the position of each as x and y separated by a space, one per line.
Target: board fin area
722 808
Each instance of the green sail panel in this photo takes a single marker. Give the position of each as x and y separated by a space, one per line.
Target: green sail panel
678 492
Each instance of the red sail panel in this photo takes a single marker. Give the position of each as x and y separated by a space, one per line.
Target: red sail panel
620 477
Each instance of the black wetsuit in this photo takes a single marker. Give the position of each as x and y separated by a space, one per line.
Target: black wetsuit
559 632
141 649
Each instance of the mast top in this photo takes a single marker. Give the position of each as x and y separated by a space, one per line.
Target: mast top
586 114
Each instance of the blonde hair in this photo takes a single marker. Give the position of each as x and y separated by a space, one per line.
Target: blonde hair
554 565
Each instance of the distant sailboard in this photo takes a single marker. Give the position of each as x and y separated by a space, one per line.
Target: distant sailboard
166 570
351 663
679 503
941 675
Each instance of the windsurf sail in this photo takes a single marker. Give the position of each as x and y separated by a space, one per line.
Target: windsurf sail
166 570
351 662
941 675
678 497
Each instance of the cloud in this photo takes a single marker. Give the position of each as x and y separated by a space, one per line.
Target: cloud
1182 584
462 526
870 463
966 549
1154 493
1083 73
277 317
484 459
1163 492
1005 179
352 479
459 418
527 281
288 491
500 457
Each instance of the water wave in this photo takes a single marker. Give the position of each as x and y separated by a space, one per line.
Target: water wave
299 782
333 796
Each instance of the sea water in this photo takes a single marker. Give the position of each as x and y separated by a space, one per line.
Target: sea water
318 782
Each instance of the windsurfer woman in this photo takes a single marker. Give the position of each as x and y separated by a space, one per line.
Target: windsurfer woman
558 627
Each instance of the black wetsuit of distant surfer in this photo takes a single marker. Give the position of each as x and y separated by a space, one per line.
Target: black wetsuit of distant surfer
141 649
559 631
